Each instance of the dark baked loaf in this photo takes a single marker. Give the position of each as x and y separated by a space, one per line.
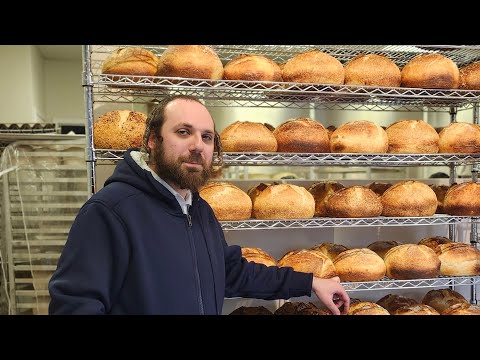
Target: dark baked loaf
251 310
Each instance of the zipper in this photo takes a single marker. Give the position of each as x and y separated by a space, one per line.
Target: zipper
194 253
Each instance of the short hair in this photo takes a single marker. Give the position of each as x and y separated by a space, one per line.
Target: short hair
157 117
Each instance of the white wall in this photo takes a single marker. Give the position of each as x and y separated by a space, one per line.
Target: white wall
16 94
63 91
38 79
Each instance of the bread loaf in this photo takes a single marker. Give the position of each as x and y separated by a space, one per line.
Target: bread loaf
372 70
459 138
252 67
227 201
462 309
378 187
417 309
434 242
463 199
131 61
300 308
458 259
409 198
392 302
359 265
359 137
430 71
302 135
313 67
246 136
382 247
190 61
284 201
442 299
470 76
354 202
309 261
258 256
367 308
329 249
119 129
410 261
440 191
321 192
251 310
254 191
412 137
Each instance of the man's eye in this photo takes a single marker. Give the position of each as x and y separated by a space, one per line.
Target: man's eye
183 132
208 137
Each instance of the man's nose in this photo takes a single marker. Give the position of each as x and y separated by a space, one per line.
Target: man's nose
197 143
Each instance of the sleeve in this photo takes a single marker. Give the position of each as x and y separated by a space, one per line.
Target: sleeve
252 280
92 265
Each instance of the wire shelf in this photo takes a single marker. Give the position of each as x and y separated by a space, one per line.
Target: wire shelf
326 159
392 284
148 89
400 54
322 222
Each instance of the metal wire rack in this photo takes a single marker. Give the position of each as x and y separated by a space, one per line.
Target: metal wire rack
389 284
224 93
327 159
148 89
323 222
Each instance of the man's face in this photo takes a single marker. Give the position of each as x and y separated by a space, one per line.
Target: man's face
183 155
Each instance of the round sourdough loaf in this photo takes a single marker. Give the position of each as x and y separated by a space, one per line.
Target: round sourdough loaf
359 265
302 135
440 191
190 61
258 256
392 302
430 71
227 201
284 201
309 261
470 76
458 259
462 309
417 309
354 202
434 242
442 299
378 187
329 249
411 261
367 308
463 199
246 136
321 192
459 137
119 129
359 137
412 137
252 67
409 198
372 70
381 247
131 61
314 67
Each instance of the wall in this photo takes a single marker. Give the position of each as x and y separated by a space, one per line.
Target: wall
16 94
64 92
38 80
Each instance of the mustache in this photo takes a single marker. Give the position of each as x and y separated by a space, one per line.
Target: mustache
193 158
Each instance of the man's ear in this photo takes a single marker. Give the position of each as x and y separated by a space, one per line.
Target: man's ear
151 141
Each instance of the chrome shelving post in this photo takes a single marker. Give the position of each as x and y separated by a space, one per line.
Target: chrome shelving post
87 84
473 232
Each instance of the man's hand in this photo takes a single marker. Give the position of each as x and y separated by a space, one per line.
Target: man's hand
332 294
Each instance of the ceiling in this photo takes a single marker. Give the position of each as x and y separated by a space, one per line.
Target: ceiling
61 52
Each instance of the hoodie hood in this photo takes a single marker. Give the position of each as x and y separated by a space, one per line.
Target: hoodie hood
129 172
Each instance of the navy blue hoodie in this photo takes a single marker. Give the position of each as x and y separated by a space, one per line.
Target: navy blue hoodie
131 250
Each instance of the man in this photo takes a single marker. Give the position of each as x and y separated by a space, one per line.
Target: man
148 244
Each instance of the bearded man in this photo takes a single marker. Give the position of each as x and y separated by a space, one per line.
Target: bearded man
147 243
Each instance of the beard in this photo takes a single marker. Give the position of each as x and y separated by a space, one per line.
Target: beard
172 171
